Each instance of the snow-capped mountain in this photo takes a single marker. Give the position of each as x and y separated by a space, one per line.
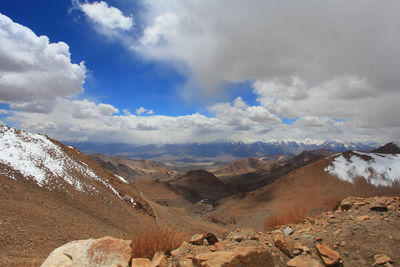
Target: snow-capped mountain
218 149
36 159
377 169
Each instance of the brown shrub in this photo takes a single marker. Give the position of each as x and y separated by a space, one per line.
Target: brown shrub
159 239
291 215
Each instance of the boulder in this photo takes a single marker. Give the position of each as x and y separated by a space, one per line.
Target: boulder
159 260
297 248
382 259
362 218
185 263
379 204
197 239
106 251
281 242
329 256
140 262
240 256
211 238
288 230
303 261
345 204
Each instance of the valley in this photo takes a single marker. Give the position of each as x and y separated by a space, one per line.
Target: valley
51 194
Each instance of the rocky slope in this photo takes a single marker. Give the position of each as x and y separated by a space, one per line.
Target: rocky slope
51 193
317 186
361 232
200 185
132 169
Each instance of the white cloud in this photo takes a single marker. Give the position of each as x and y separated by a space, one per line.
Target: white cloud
347 97
142 110
241 115
82 120
259 39
327 59
33 69
107 20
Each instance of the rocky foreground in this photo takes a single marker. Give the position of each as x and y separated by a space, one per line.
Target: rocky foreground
361 232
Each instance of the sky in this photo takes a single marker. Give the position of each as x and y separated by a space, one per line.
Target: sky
155 71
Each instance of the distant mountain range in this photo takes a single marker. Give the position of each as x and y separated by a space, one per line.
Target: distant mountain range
220 150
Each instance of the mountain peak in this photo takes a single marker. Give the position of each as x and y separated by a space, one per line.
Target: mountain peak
389 148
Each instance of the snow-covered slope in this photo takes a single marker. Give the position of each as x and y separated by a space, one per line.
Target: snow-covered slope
50 165
377 169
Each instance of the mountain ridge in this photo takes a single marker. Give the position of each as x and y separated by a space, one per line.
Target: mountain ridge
219 151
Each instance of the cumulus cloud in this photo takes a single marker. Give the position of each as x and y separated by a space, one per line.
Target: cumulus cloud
34 70
83 120
107 19
322 59
329 66
267 39
142 110
242 116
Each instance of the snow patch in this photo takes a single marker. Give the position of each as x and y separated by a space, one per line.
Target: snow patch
379 170
122 179
37 158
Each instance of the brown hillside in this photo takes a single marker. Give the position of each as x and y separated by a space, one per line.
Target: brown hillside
309 187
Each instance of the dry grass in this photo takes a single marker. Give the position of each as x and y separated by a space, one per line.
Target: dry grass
160 239
291 215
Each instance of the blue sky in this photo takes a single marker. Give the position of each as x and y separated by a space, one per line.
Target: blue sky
117 76
184 71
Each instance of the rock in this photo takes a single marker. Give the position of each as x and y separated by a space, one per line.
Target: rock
345 204
298 245
382 259
318 239
197 239
180 250
297 248
337 232
159 260
378 205
106 251
238 238
329 256
185 263
211 238
303 261
139 262
359 204
217 246
391 207
288 230
281 242
240 256
362 218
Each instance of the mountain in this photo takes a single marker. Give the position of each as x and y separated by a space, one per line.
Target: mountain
200 185
241 166
131 169
389 148
250 174
315 187
51 193
220 151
